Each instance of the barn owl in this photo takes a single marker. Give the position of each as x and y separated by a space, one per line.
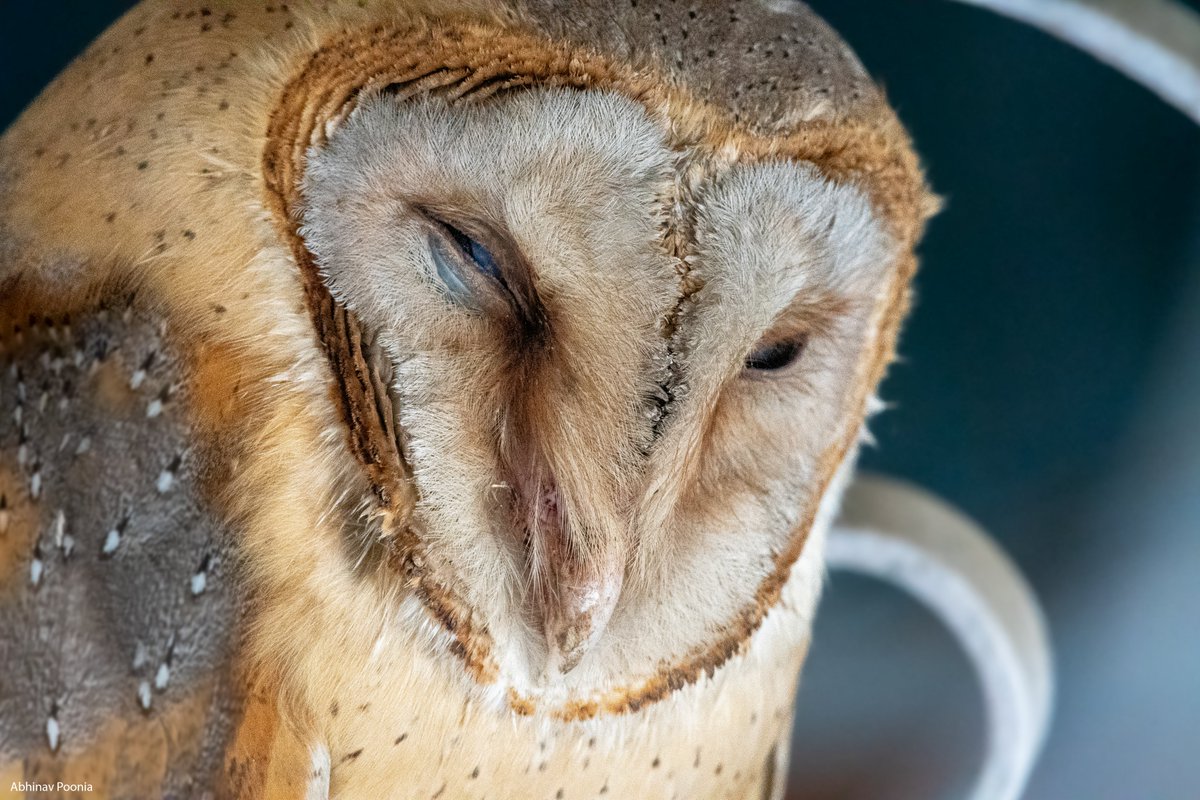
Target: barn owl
429 399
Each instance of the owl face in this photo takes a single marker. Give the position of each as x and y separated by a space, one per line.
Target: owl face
625 373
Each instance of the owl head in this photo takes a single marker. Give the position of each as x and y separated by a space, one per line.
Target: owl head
606 296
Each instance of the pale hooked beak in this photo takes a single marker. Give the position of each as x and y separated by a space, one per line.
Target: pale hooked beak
576 591
575 619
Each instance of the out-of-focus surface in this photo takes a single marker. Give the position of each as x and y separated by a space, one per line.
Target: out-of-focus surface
1050 388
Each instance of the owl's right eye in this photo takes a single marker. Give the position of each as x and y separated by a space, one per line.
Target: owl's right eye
475 252
451 282
473 277
468 271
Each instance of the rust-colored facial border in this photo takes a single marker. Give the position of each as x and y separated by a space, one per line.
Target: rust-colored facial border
468 60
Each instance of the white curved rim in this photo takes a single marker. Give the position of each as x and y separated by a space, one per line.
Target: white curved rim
904 536
1154 42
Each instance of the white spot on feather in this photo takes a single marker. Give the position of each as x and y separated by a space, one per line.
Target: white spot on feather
58 528
35 571
52 733
144 698
111 542
318 780
154 408
35 485
136 380
166 479
199 583
162 677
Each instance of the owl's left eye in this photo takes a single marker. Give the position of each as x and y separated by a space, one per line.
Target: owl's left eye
775 355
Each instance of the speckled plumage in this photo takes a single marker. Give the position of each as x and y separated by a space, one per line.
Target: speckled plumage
111 557
248 539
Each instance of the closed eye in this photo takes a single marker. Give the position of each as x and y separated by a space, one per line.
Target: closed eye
776 355
474 252
473 276
468 270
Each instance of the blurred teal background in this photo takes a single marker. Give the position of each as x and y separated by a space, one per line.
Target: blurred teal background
1050 387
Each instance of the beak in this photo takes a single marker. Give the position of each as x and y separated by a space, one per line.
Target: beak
576 588
574 618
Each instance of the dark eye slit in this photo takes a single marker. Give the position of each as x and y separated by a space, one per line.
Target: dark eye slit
474 252
775 356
